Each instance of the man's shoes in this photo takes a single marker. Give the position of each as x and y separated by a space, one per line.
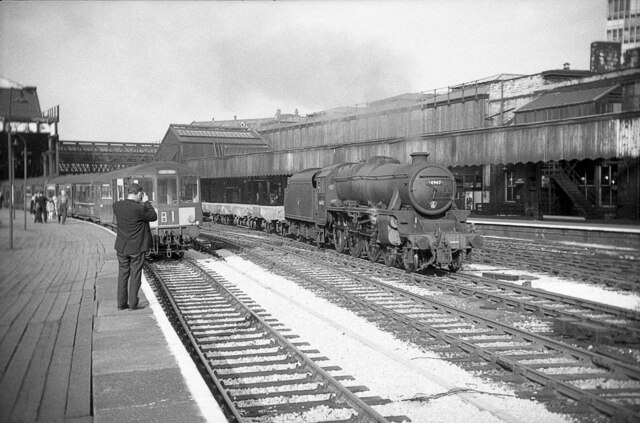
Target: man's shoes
123 308
138 307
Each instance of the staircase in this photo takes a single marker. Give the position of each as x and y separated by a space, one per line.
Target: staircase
566 179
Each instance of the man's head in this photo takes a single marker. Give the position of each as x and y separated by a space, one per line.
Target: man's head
134 192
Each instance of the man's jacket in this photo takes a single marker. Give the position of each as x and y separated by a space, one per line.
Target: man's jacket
134 234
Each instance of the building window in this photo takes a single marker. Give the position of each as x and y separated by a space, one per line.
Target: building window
509 187
469 187
586 180
608 187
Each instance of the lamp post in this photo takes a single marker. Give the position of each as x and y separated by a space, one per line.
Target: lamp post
10 156
24 181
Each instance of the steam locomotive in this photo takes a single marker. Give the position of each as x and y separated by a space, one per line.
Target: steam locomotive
404 214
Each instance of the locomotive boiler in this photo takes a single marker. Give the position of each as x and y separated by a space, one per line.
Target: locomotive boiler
381 208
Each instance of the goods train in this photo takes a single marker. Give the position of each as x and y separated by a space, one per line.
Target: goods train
404 214
172 188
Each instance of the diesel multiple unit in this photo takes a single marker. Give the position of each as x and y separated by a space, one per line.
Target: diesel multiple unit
173 189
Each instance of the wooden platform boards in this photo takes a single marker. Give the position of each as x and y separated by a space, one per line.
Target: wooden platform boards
67 353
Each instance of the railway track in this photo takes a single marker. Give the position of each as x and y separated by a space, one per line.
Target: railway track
589 381
258 370
603 267
567 316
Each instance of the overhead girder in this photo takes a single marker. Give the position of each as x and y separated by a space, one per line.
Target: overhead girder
91 157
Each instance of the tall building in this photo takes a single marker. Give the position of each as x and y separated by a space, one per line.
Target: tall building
623 23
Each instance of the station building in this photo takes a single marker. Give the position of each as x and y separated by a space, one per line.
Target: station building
26 128
560 142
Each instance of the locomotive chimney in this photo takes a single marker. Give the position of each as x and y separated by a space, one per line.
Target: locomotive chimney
419 158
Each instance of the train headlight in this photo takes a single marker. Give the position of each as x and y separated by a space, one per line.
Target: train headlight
192 231
423 243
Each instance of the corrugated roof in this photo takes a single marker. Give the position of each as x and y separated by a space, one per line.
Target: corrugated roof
215 134
566 98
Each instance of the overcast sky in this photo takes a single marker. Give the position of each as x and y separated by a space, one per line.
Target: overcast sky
125 71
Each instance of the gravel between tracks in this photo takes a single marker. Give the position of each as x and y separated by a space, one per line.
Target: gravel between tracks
387 366
623 299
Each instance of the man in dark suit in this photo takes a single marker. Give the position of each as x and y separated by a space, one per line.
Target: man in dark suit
133 241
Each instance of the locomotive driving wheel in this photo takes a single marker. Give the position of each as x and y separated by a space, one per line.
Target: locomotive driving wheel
389 256
357 247
340 240
373 251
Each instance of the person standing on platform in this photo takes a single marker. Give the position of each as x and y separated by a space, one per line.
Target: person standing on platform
55 202
39 205
51 208
33 206
42 207
63 201
132 242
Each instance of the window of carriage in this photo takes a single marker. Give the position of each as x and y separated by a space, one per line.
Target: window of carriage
105 191
84 193
167 190
188 189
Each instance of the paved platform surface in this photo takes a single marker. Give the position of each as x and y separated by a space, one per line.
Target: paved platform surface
67 353
614 233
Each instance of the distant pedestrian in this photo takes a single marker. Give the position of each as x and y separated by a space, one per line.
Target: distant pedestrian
51 208
42 208
38 207
132 242
63 203
32 207
56 204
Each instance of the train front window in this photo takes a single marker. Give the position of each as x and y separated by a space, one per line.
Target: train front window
188 189
167 190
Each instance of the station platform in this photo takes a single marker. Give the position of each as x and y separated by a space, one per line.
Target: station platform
605 232
67 353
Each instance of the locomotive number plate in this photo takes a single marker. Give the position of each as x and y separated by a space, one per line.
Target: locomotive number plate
168 216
